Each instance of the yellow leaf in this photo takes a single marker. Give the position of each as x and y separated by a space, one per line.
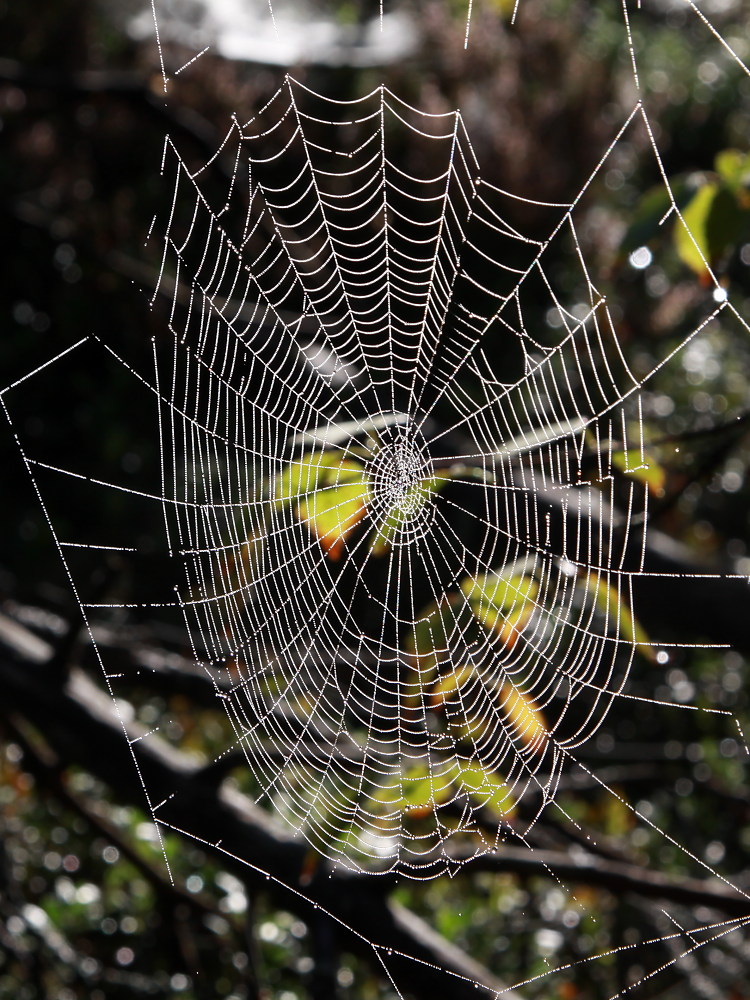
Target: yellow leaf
502 592
502 603
645 469
413 793
332 514
400 514
733 166
418 794
509 629
313 471
485 788
329 493
447 686
710 225
523 719
505 8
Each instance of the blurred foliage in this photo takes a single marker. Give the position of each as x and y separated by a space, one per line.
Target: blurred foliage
713 215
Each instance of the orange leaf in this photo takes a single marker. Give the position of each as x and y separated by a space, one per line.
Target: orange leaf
334 544
510 629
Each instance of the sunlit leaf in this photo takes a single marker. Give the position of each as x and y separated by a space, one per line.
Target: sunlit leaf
485 788
398 517
427 642
382 538
523 718
643 468
332 513
711 224
509 629
502 602
449 685
465 716
312 471
502 592
297 479
650 212
419 795
618 614
385 799
413 793
430 633
733 167
329 492
505 8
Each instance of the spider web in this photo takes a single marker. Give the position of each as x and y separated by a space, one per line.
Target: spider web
399 325
416 604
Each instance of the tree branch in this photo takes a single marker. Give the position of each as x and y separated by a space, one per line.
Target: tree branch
79 724
617 877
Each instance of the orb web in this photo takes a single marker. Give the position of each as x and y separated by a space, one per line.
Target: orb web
382 520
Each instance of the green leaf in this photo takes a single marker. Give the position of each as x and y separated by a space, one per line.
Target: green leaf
295 481
399 515
646 470
523 718
650 211
329 492
384 535
416 792
711 224
617 819
419 793
505 8
312 471
618 614
332 514
502 603
485 788
427 640
498 590
447 686
413 793
733 167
